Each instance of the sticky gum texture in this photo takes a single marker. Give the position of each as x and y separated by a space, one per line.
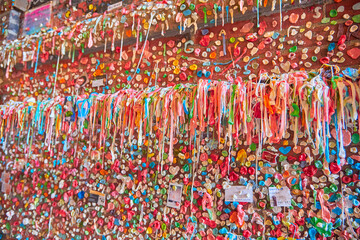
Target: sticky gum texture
53 166
137 175
175 65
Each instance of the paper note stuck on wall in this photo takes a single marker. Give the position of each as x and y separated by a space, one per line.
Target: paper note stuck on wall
280 197
239 194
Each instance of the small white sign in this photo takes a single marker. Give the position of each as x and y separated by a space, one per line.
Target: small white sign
114 6
174 195
5 183
280 197
239 194
98 83
28 56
